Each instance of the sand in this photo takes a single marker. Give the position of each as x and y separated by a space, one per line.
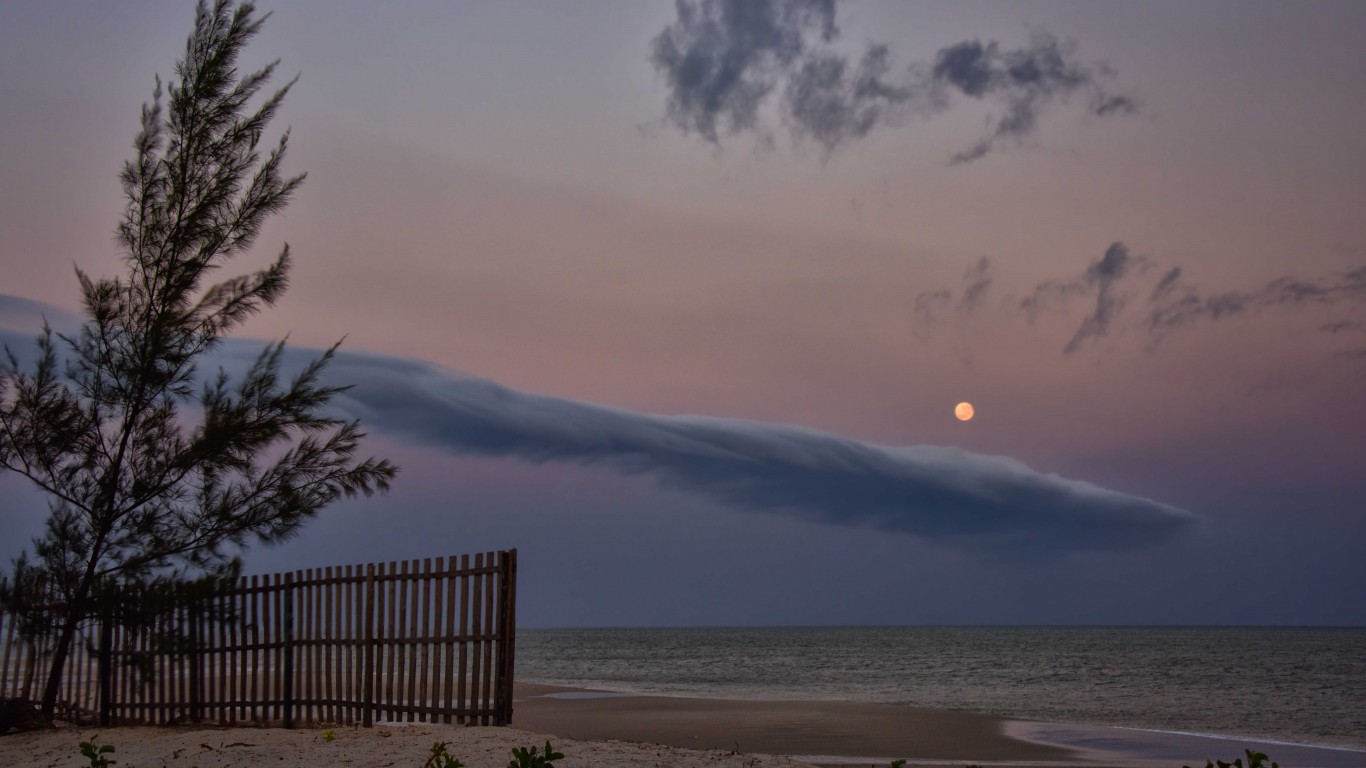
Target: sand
810 729
409 745
591 729
604 730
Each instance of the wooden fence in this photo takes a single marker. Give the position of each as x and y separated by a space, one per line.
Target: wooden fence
406 641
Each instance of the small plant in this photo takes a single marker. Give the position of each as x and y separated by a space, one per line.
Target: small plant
527 758
440 758
329 736
898 763
1254 760
96 752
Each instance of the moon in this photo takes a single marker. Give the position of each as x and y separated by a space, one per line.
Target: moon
963 411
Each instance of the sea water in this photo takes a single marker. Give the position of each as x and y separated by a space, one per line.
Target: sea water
1299 685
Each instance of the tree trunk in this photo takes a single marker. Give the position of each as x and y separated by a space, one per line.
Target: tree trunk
54 676
75 613
60 654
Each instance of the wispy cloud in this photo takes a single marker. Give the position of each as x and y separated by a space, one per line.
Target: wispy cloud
1119 291
1176 303
1023 82
931 306
1098 283
722 60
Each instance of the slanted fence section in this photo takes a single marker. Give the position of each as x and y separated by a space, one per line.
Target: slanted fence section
420 640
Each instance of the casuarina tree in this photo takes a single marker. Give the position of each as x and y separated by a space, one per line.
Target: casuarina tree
154 468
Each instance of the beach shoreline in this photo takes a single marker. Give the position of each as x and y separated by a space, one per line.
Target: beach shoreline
607 729
868 731
838 733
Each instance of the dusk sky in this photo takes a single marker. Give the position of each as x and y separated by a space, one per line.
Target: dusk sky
678 300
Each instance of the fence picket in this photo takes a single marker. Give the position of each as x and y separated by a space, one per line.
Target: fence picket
408 641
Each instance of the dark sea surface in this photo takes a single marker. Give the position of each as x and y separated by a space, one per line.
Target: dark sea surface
1298 685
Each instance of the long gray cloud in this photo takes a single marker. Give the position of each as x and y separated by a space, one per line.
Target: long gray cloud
937 493
927 491
722 60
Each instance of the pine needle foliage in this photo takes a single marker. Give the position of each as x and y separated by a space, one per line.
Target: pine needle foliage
154 470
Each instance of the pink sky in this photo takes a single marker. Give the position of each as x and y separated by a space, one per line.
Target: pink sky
494 188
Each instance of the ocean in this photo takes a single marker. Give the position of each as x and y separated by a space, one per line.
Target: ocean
1297 685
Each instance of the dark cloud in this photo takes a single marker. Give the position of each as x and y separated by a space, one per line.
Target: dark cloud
723 59
1023 82
1176 303
931 492
20 314
1100 282
944 494
1342 326
976 283
930 306
827 102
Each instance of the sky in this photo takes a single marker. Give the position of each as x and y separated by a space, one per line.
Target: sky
678 299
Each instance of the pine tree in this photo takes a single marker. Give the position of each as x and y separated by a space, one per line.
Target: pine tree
154 470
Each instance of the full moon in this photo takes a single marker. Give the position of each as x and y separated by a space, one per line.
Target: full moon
963 411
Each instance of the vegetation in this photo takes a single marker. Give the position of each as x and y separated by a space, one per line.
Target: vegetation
1254 760
156 473
96 753
523 757
440 758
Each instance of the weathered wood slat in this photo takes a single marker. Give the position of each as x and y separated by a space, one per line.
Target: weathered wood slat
419 640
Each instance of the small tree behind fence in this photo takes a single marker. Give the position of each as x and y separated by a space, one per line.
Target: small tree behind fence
420 640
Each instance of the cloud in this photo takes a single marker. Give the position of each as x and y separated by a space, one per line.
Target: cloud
1342 326
1173 303
976 283
1176 303
1109 285
1099 282
723 59
927 491
21 314
1024 81
936 493
929 306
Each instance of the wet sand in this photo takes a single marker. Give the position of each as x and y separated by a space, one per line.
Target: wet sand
809 729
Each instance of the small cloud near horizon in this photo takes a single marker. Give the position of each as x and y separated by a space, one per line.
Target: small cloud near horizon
1164 300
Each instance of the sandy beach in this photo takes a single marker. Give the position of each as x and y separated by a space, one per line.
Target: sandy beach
613 730
810 729
590 728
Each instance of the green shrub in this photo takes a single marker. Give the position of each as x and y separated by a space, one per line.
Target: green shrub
1254 760
527 758
96 752
440 758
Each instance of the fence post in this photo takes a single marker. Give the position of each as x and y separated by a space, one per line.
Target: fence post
196 661
368 682
288 620
105 667
507 609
